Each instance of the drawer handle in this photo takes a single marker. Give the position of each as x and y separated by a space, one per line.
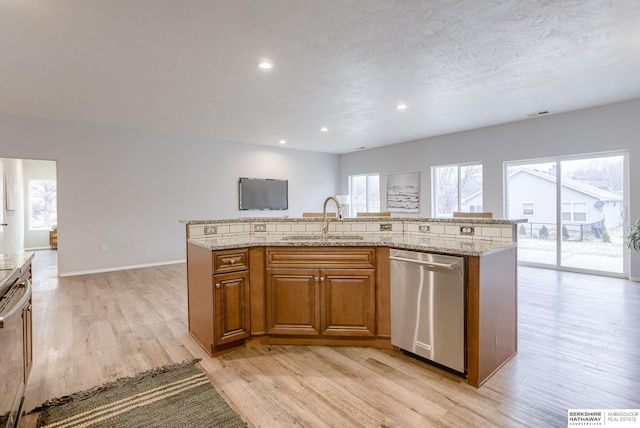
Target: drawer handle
232 261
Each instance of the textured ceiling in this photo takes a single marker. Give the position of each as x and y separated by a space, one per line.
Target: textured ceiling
188 67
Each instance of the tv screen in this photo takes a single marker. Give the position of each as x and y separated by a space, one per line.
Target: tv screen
263 194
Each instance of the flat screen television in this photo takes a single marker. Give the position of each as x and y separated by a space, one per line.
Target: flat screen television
263 194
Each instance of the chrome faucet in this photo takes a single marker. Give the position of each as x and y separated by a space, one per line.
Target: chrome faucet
325 226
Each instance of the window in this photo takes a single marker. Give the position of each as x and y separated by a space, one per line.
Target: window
365 193
456 188
42 204
574 211
579 211
527 208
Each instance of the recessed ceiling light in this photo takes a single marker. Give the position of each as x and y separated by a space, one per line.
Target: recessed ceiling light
265 64
401 106
324 129
283 142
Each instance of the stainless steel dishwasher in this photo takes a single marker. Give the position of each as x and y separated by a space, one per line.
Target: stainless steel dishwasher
428 306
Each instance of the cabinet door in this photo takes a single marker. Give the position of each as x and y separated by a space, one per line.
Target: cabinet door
293 297
348 302
232 316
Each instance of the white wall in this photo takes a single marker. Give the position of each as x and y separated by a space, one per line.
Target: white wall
608 128
35 170
12 235
128 189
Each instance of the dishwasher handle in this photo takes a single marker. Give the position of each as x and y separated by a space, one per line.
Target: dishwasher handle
424 263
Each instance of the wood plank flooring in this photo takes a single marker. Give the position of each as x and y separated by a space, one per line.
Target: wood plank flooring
579 347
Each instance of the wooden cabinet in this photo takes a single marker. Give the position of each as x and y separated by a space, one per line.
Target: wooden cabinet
232 317
492 314
321 291
218 297
293 305
348 302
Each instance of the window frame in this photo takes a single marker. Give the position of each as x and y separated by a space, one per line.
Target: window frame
30 204
434 183
573 212
369 207
533 209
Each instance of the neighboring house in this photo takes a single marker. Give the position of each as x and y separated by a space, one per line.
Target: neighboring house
472 204
532 195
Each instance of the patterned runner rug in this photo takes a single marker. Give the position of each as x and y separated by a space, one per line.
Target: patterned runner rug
171 396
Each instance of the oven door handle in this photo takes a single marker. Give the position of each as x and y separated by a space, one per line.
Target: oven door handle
18 307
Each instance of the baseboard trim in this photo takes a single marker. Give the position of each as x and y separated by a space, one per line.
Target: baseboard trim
118 268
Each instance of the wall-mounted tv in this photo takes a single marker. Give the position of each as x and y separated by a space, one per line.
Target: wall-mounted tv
263 194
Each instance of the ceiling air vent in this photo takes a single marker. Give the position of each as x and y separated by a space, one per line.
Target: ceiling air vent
540 113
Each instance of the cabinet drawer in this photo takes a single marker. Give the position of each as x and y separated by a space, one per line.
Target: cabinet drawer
230 261
321 257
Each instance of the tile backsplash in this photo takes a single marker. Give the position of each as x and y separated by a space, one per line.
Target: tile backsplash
483 229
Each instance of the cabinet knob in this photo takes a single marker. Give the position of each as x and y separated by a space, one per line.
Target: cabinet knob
218 285
322 278
232 261
317 278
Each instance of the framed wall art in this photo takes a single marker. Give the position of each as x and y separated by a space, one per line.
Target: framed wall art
403 192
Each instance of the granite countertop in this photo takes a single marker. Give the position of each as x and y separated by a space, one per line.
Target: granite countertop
476 220
463 247
9 263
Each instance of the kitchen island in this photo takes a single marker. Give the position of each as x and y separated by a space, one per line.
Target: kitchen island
281 281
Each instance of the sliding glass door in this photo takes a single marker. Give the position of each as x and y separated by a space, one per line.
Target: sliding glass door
575 209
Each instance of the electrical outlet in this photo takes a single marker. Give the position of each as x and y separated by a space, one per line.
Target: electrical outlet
425 228
210 230
385 226
260 227
466 230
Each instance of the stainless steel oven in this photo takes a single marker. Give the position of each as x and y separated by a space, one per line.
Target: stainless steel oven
15 346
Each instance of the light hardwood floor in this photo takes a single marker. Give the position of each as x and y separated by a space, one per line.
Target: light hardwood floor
579 347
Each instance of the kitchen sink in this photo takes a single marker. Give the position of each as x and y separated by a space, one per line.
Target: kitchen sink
323 238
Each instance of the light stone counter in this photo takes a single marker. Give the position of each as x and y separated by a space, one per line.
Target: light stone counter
464 247
475 220
437 235
15 261
9 264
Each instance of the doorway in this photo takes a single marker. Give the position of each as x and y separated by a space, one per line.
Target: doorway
31 216
575 207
